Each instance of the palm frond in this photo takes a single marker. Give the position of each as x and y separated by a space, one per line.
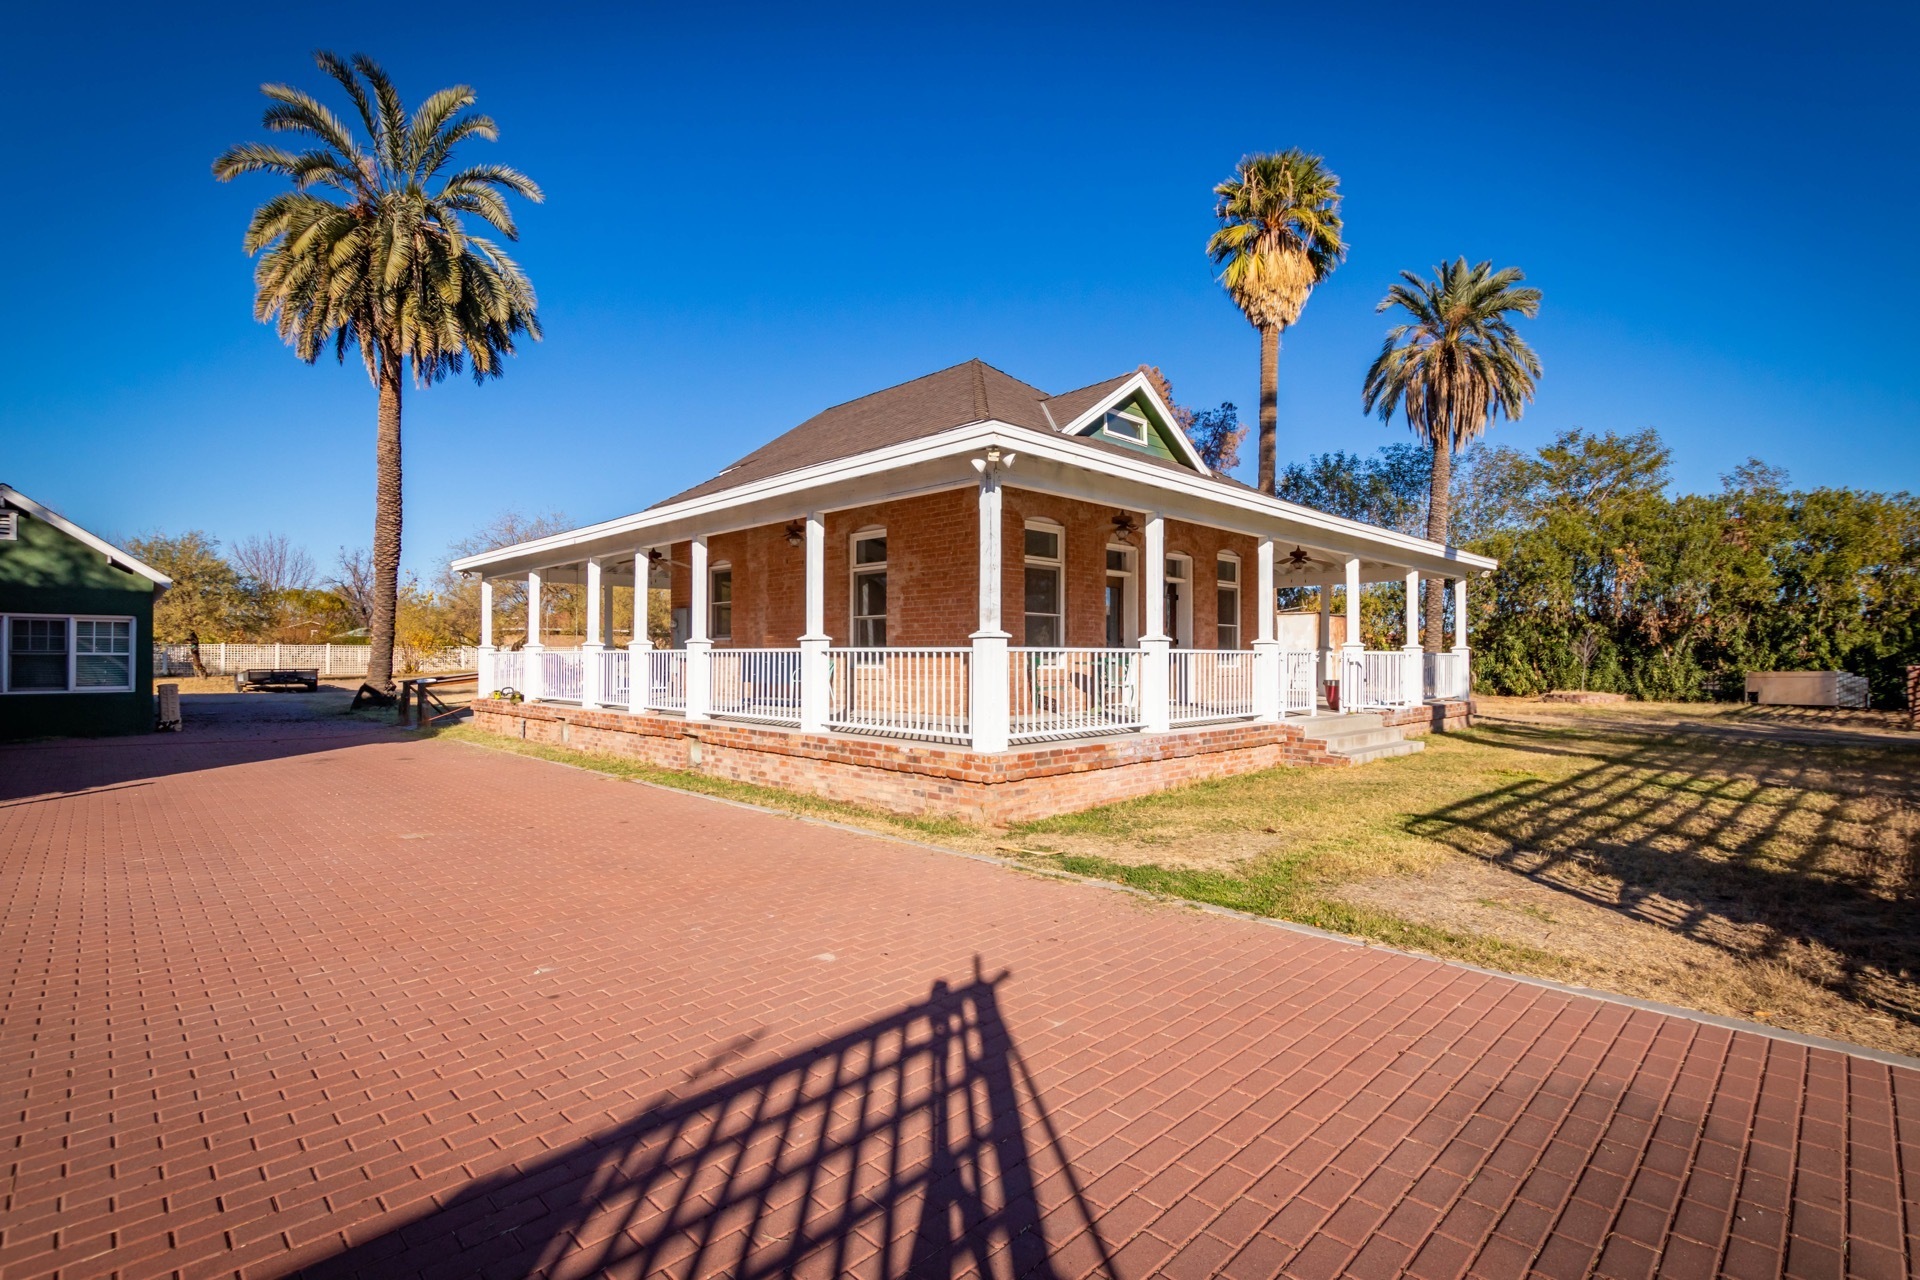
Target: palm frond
386 269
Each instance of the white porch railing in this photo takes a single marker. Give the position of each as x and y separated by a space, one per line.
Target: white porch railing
509 671
1376 680
614 669
1299 682
667 679
907 693
1209 684
755 684
562 673
1446 675
1069 693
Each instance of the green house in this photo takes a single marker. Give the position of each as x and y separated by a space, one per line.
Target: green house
76 627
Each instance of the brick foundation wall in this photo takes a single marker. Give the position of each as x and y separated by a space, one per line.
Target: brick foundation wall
1435 717
916 778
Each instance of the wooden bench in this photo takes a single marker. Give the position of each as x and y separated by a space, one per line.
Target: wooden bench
421 705
276 677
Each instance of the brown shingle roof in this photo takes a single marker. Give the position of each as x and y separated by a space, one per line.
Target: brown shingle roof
970 392
953 397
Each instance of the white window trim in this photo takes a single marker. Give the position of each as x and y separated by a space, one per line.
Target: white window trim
1057 563
855 570
714 570
73 654
1239 601
1184 622
1130 623
1145 438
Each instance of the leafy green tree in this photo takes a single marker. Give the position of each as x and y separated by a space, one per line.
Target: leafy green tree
1279 236
370 251
1450 370
208 601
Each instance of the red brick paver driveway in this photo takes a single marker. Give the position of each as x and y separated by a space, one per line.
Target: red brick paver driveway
330 998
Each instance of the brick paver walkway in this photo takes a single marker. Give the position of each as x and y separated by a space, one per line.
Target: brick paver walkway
338 999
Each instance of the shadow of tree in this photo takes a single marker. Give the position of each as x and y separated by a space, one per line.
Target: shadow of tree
1778 853
899 1148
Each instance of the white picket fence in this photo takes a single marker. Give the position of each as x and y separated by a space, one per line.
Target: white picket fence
327 659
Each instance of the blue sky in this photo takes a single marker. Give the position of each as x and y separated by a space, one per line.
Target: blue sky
751 217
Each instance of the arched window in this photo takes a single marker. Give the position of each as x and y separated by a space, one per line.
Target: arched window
869 593
1045 594
1226 595
720 601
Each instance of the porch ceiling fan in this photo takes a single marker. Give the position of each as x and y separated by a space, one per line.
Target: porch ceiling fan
1298 557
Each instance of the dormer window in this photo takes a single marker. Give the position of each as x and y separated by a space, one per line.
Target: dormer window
1125 426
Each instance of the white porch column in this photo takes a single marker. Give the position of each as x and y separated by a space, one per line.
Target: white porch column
639 644
1156 646
989 694
483 654
1412 664
530 651
1268 678
590 648
1352 665
816 672
699 672
1463 687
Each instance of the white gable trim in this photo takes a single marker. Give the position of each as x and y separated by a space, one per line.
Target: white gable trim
801 488
14 498
1125 391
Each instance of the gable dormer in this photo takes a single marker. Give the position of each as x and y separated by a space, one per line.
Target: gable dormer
1126 412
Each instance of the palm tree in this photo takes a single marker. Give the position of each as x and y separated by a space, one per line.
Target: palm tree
368 251
1279 236
1450 371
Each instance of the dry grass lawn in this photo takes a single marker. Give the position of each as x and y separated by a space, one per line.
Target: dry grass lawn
1757 864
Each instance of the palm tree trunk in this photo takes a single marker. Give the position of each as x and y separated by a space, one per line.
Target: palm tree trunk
1438 512
386 528
1269 404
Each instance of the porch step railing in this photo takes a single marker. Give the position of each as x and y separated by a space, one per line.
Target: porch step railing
1209 684
1070 693
1379 680
899 692
755 684
1299 682
1445 675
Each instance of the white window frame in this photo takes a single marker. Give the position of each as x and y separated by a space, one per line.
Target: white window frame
1130 603
1228 557
1183 618
714 602
1145 435
73 653
1058 563
857 571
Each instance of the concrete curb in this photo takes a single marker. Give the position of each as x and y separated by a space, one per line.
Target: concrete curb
1861 1051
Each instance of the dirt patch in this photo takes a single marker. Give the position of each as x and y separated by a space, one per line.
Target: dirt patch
1602 942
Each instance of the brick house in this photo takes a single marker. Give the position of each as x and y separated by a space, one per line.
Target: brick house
963 594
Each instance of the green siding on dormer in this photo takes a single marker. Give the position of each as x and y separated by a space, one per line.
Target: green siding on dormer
1160 442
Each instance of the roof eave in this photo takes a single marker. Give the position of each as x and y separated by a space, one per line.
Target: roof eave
957 440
